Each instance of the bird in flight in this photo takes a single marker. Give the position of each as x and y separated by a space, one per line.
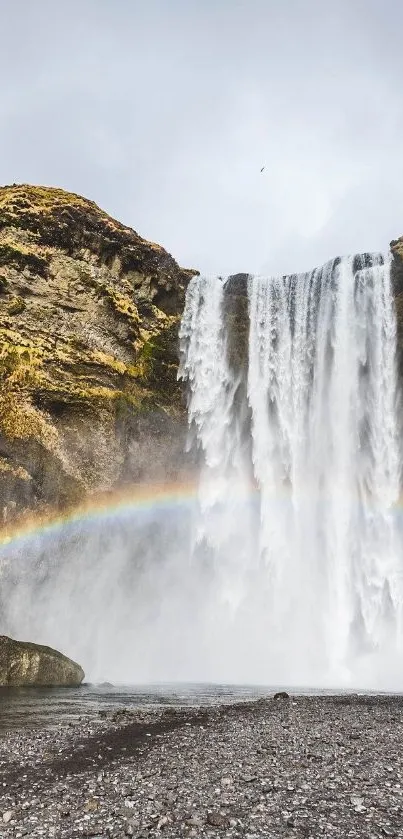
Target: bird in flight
262 168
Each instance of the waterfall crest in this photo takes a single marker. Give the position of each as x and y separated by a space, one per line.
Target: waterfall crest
300 470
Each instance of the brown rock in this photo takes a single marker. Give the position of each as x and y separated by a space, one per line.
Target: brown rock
23 663
218 820
89 315
396 248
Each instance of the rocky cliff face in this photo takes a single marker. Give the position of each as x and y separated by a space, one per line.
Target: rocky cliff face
396 248
89 315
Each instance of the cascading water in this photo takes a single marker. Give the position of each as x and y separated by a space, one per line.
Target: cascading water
223 523
299 483
288 570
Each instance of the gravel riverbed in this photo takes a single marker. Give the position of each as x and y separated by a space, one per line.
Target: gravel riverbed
300 767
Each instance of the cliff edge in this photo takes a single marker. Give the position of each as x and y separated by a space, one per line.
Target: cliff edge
89 315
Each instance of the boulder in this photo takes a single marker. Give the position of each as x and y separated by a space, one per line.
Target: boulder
23 663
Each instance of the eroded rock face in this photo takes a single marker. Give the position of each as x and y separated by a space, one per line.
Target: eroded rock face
23 663
237 320
89 315
396 248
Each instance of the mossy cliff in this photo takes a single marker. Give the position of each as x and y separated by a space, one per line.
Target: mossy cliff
89 315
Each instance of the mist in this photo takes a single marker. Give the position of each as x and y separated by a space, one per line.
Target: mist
126 600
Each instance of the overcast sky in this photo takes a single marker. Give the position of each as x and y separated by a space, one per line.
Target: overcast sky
164 112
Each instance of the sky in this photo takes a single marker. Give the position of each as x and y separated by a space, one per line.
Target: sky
165 111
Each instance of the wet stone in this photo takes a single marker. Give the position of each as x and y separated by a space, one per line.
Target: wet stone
264 769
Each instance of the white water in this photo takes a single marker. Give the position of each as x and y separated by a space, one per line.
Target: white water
223 521
312 568
289 570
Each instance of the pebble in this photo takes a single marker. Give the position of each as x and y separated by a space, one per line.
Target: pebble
7 816
273 769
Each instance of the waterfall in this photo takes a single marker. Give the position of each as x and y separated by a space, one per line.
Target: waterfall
287 569
300 472
223 523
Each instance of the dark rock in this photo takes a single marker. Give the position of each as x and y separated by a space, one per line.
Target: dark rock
281 695
396 247
236 317
218 820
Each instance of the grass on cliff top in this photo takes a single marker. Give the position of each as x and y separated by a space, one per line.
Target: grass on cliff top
17 199
22 205
43 198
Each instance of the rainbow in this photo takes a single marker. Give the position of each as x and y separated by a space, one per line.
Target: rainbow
135 501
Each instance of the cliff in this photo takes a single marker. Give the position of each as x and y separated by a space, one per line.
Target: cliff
396 247
89 315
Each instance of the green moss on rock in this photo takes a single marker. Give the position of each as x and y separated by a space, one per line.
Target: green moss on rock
16 305
88 344
17 256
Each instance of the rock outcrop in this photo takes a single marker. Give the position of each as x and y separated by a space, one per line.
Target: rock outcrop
237 320
89 315
396 248
23 663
